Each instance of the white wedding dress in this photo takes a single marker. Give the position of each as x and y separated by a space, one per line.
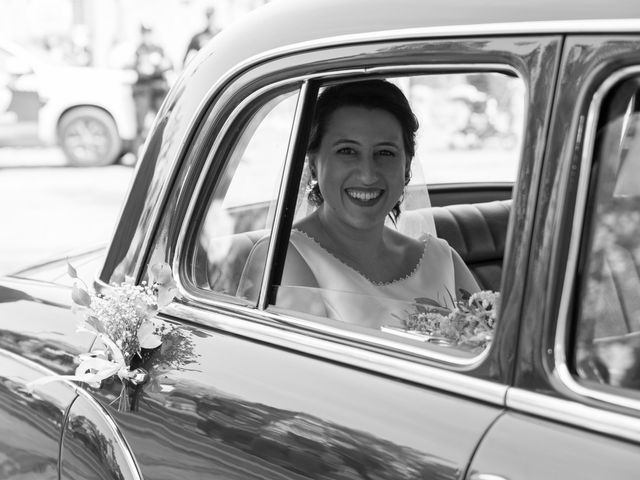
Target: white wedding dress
349 296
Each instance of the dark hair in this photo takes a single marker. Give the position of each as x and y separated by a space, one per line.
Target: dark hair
370 94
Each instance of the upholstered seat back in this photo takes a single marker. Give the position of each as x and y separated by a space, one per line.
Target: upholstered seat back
476 231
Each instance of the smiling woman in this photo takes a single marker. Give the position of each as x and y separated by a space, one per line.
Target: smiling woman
360 152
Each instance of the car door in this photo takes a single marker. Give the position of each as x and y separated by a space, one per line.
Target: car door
249 390
37 340
31 426
574 411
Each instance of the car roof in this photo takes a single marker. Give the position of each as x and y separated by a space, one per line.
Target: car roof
289 23
295 25
284 22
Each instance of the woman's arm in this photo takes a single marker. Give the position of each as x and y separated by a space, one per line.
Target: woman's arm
463 276
296 274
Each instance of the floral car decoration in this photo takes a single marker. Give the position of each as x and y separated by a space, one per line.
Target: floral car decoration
136 349
468 324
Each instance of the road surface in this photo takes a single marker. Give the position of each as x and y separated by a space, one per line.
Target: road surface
48 209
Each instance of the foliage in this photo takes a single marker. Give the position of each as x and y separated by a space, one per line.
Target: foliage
135 346
469 323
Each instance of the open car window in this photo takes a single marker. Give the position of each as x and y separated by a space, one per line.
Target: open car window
476 231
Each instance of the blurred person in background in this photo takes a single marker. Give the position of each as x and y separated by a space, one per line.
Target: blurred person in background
81 53
152 66
202 37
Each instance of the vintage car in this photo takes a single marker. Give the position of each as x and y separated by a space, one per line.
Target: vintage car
529 142
88 112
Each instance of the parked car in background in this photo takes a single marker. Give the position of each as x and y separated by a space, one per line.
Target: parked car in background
87 111
544 208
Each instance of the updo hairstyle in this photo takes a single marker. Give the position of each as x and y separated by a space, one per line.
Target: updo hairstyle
371 94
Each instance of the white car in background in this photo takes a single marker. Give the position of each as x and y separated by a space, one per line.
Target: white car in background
89 112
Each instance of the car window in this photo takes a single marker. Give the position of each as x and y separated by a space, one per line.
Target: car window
470 126
399 311
608 319
241 206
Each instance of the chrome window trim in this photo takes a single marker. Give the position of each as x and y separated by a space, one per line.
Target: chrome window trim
561 370
574 413
204 297
518 29
240 323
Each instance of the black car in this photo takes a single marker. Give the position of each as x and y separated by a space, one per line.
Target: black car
529 124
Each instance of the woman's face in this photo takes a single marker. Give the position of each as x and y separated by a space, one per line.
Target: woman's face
360 165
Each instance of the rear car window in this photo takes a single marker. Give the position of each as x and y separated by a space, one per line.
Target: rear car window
608 321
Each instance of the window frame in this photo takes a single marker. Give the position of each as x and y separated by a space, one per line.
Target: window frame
279 246
580 239
520 54
207 183
286 198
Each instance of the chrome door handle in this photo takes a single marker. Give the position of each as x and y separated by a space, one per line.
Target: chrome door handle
486 476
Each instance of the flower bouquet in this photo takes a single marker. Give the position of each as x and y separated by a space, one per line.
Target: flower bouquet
134 346
469 324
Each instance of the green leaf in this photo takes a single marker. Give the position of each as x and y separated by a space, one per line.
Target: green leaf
427 301
464 294
80 296
71 271
96 324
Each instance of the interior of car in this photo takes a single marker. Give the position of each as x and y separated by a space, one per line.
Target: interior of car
468 145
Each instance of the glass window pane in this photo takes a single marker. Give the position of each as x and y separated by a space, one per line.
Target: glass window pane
242 206
608 328
471 126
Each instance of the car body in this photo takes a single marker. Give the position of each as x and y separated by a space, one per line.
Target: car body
271 393
87 111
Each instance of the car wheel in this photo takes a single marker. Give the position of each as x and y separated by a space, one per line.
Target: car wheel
89 137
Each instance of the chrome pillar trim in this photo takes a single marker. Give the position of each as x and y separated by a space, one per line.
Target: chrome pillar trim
573 413
274 332
561 370
122 443
280 202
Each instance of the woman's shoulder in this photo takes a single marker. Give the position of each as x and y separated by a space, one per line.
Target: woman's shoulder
426 242
402 240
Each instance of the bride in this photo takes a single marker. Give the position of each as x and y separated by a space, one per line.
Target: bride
351 266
